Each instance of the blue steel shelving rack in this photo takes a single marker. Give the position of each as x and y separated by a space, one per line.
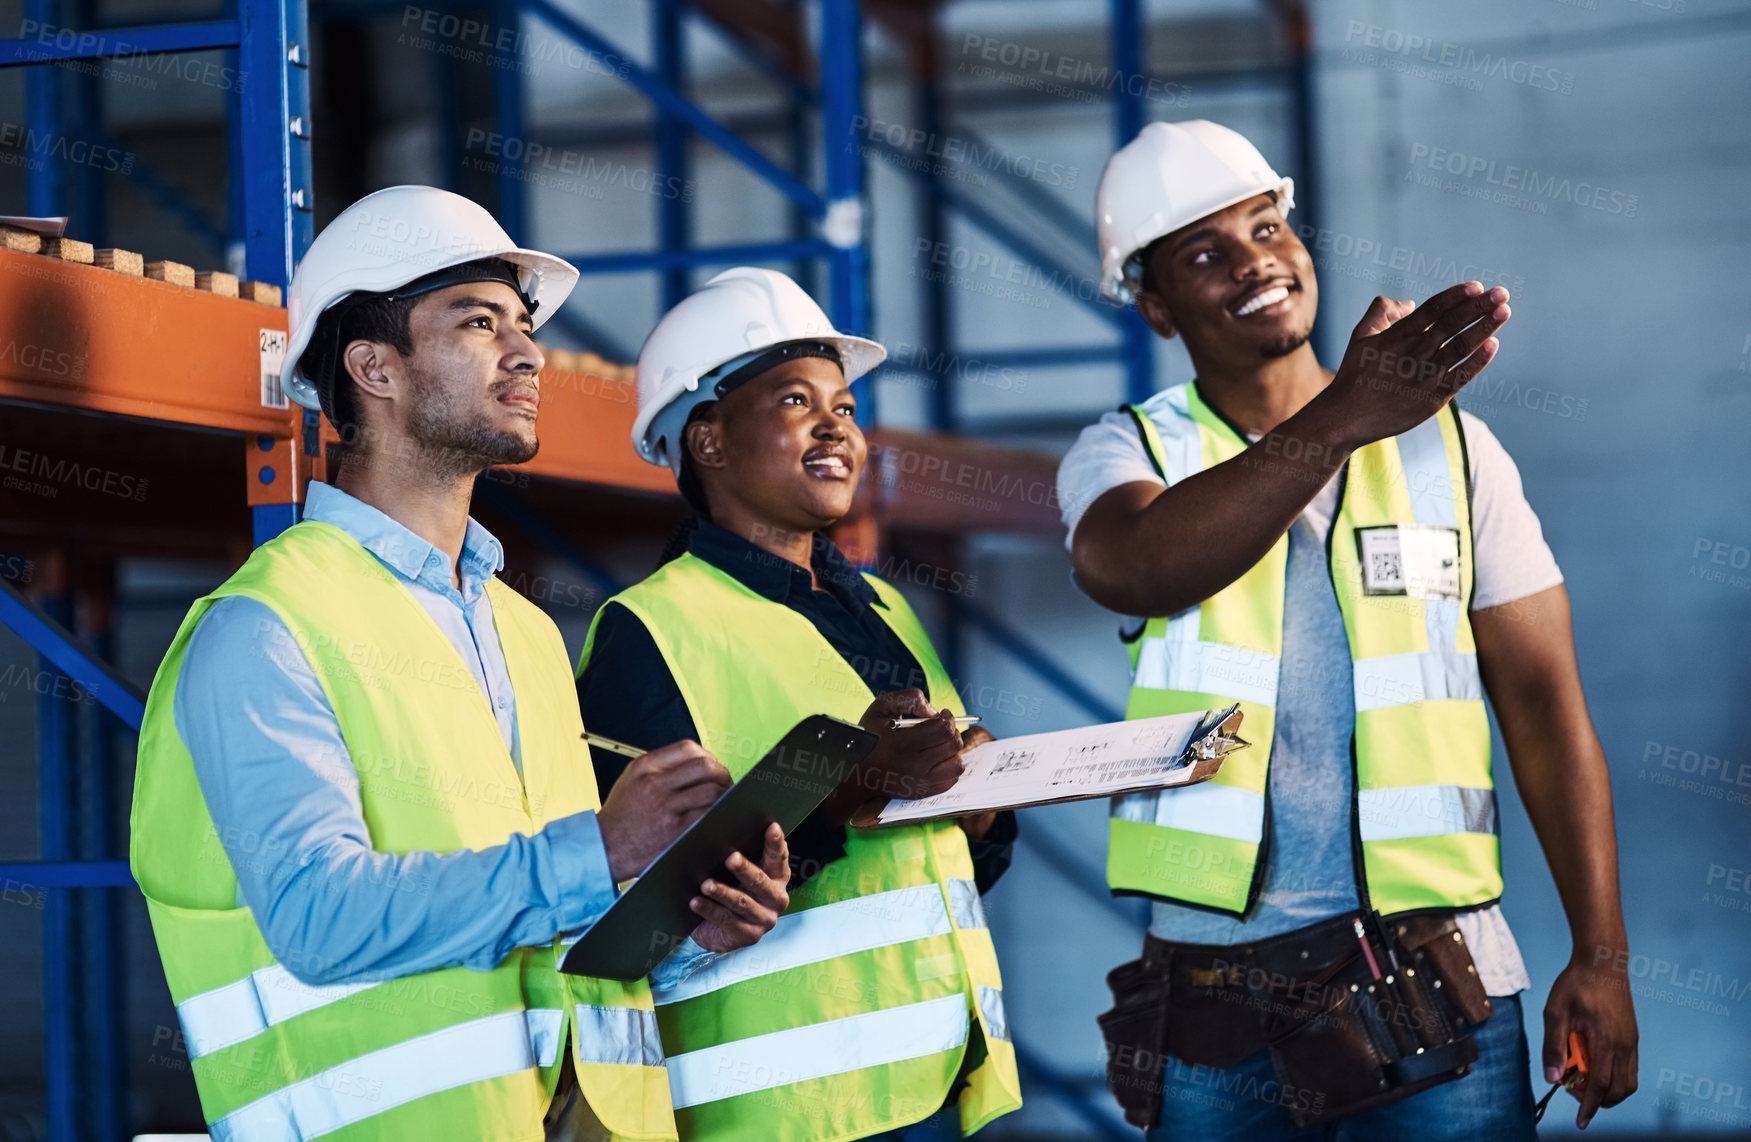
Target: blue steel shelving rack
266 43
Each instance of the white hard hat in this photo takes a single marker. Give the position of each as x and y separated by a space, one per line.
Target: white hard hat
1169 176
394 237
733 319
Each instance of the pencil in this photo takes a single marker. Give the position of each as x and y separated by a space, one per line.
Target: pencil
613 746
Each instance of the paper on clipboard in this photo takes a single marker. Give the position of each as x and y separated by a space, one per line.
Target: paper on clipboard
1076 765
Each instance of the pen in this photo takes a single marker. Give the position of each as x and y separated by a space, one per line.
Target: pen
961 723
1366 950
613 746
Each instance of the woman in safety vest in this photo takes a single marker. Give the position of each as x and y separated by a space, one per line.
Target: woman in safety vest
876 1000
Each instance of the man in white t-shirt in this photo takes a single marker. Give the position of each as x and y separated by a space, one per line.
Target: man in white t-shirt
1215 503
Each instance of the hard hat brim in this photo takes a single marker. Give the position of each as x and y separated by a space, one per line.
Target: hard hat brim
548 280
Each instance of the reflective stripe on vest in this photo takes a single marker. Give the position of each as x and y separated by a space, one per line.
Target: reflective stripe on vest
1442 672
991 1007
849 1018
476 1051
618 1036
1424 811
1219 810
1176 659
225 1016
1418 696
816 935
817 1050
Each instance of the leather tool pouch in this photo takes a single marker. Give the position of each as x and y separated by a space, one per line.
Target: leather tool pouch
1135 1032
1340 1040
1343 1041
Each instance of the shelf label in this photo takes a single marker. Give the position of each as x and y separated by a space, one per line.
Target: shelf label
273 363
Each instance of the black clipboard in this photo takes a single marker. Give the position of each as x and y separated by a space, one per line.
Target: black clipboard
651 919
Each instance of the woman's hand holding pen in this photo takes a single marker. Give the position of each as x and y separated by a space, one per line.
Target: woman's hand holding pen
915 761
909 762
654 801
976 824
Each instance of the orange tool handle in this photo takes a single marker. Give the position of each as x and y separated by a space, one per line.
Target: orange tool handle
1575 1069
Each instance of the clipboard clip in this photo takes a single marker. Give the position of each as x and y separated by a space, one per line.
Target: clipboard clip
1220 737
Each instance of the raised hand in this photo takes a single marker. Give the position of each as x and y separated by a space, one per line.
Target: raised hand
1405 361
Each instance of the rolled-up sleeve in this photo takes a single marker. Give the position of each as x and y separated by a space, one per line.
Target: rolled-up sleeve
280 785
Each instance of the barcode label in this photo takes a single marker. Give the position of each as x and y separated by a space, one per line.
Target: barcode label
273 362
1417 560
1384 569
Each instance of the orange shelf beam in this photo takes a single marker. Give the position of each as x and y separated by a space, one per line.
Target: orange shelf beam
586 430
83 337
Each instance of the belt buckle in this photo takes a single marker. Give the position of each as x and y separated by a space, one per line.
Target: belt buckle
1228 976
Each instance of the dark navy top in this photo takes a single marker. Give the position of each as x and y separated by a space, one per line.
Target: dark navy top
627 692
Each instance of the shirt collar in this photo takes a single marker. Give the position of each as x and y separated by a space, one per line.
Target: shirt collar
774 576
400 549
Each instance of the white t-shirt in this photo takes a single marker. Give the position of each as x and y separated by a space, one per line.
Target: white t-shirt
1311 757
1511 558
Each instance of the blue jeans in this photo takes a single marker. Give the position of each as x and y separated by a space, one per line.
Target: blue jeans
1491 1104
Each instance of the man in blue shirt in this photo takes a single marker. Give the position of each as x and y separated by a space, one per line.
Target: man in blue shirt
421 352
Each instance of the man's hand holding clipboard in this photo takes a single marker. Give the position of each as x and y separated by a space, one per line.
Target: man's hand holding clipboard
656 799
704 824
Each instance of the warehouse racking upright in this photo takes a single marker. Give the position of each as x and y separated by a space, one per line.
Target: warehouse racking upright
142 349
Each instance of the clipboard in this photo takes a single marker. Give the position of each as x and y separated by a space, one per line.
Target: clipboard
1214 735
651 918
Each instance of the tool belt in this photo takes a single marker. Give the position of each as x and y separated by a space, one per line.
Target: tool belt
1341 1039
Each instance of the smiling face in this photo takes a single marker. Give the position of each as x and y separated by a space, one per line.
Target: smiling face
472 382
783 449
1238 285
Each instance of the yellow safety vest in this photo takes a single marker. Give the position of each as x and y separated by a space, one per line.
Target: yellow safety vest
1424 816
852 1016
448 1054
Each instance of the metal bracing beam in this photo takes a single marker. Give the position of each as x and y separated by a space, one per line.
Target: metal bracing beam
632 261
1072 223
595 338
647 83
844 220
279 218
1038 661
674 211
549 537
1011 236
71 656
508 117
116 41
171 200
1128 33
1087 880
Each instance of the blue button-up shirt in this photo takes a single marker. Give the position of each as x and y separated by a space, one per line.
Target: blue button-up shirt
284 795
